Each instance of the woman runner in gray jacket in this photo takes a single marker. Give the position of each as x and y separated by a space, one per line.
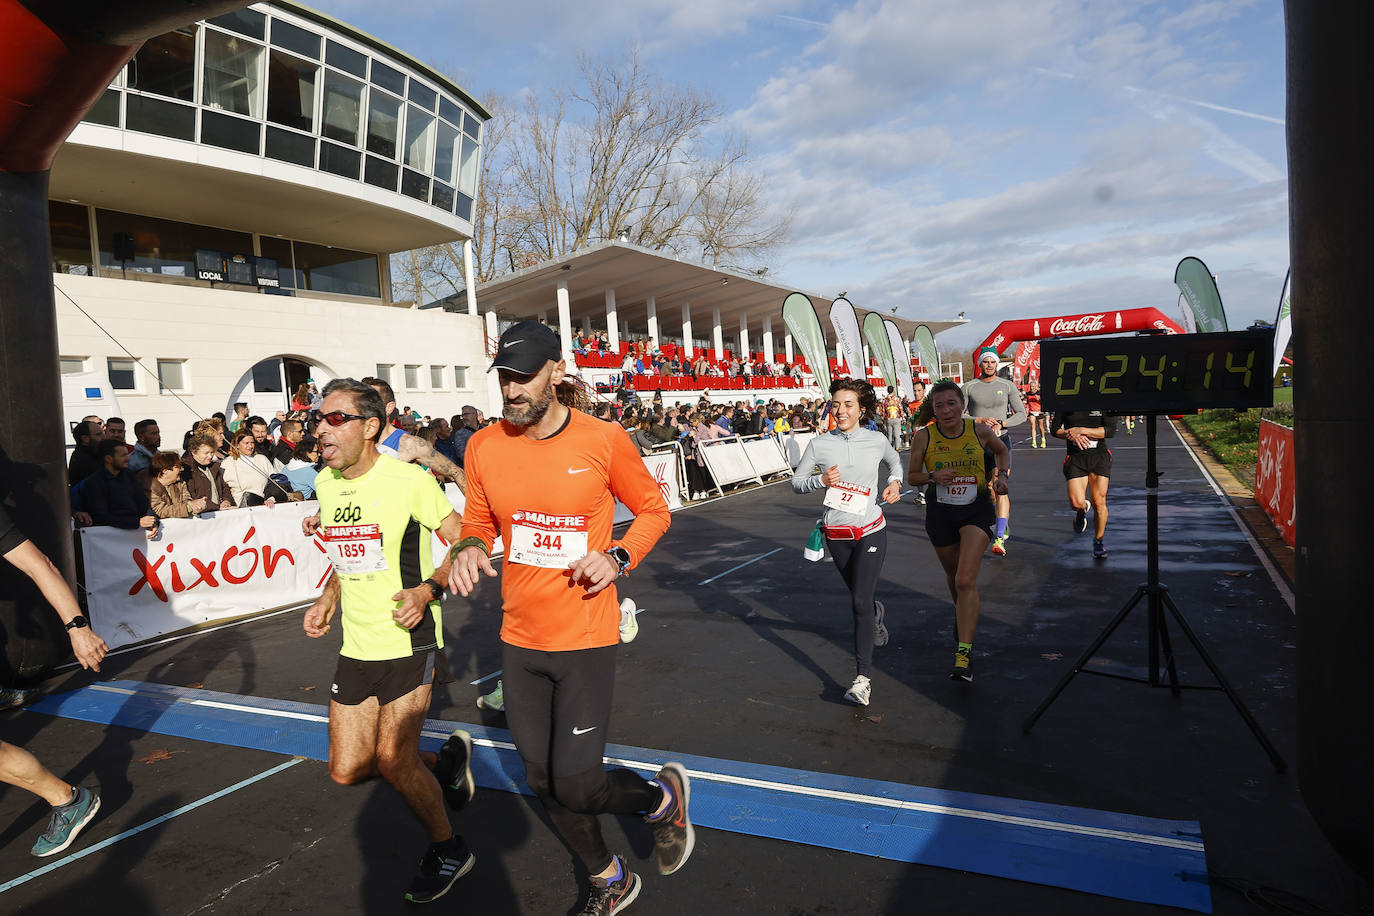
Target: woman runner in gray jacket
844 463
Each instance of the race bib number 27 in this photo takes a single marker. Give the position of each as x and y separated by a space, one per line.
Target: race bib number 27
848 497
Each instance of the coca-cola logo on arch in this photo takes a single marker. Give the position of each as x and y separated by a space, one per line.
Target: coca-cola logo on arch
1083 324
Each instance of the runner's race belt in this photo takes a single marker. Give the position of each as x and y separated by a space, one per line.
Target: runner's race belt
851 532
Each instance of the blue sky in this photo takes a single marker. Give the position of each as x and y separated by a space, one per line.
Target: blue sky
1002 158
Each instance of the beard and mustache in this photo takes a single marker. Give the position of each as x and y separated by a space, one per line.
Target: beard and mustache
529 411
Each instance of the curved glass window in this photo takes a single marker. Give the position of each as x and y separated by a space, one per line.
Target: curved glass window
467 168
165 65
232 74
291 91
419 137
343 102
445 152
383 115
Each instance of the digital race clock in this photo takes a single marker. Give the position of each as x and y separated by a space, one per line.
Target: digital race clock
1162 373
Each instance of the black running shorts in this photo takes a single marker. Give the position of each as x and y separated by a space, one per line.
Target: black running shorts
943 522
1089 461
356 680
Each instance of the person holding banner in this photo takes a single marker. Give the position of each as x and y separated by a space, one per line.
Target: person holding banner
377 517
947 459
854 527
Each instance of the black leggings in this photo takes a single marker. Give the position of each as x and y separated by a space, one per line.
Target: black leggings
558 707
859 563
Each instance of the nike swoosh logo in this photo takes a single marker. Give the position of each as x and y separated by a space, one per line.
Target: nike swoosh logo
578 471
583 731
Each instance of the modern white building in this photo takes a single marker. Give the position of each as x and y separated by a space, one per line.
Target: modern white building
223 216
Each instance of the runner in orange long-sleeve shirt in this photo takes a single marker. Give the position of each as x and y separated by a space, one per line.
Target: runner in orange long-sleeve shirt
546 479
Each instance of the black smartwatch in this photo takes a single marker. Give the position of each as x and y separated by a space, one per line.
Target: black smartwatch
621 557
436 590
78 622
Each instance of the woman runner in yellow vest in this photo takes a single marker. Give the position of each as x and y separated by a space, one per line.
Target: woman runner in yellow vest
947 458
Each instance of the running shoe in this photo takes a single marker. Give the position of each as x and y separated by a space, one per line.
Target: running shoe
12 697
674 837
860 691
962 672
1080 521
454 770
494 701
1099 549
607 897
629 621
880 634
999 546
919 499
66 821
442 865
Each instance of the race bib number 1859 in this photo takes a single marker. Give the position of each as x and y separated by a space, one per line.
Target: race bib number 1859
354 549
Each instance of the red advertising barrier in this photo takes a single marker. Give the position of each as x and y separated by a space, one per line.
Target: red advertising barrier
1274 477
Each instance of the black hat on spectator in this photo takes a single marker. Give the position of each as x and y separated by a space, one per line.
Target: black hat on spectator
525 347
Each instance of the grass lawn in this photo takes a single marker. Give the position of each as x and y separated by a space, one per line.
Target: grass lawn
1232 436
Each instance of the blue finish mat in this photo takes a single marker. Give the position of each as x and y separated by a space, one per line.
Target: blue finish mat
1115 855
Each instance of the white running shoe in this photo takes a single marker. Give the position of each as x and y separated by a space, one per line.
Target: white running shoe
629 625
859 693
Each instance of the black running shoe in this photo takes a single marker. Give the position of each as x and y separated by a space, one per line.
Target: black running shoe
962 673
606 897
673 834
454 770
441 867
880 634
1080 521
1099 549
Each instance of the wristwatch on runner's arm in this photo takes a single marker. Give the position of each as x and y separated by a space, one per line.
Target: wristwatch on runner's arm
621 556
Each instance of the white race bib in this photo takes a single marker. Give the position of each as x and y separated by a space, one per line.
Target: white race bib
354 549
961 492
848 497
550 541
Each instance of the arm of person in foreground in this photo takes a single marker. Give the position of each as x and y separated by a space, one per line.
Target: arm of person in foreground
88 648
413 448
321 612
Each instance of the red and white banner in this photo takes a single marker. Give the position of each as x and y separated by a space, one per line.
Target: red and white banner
1027 352
1275 476
223 564
663 468
1107 322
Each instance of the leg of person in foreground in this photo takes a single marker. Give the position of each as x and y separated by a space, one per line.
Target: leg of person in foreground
372 739
73 807
961 563
1097 494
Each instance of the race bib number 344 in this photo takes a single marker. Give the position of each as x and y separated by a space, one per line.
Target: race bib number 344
549 541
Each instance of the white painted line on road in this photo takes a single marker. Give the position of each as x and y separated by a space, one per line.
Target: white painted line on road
66 860
741 566
486 677
1284 591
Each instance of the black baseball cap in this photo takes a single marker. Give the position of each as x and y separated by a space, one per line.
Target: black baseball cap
525 347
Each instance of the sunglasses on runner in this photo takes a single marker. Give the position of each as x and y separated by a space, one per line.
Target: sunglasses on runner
339 418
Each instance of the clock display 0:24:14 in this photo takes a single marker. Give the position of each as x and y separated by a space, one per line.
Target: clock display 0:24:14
1224 371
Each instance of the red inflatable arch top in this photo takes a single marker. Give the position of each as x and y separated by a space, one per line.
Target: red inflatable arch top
1008 332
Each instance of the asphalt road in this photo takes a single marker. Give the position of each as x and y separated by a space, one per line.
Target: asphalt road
750 667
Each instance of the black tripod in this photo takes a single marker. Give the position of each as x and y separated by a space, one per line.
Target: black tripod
1158 599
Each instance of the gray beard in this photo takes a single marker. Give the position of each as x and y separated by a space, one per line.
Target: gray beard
526 417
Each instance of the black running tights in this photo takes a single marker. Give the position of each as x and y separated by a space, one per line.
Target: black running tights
558 707
859 563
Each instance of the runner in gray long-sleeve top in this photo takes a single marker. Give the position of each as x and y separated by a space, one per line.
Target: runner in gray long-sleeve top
996 403
848 458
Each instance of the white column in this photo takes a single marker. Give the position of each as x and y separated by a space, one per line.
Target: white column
612 326
744 338
716 338
469 280
687 330
494 399
565 324
652 307
787 342
768 338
